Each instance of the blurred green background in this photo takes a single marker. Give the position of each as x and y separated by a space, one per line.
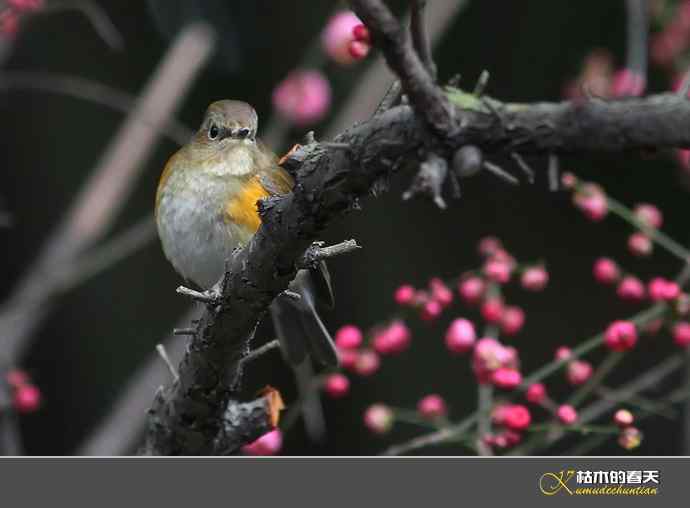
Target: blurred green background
99 333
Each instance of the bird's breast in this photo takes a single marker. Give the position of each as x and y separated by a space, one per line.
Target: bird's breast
192 216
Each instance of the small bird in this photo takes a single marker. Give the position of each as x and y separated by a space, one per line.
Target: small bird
206 206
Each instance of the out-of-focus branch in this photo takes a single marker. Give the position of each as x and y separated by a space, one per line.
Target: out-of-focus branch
420 39
88 90
94 13
389 36
120 431
377 79
637 32
105 192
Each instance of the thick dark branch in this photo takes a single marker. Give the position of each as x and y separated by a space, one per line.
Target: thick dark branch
388 35
329 183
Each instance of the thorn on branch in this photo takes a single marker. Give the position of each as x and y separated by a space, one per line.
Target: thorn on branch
429 180
336 146
292 295
164 355
209 297
309 138
184 331
500 173
454 81
522 164
260 351
481 83
389 99
554 173
317 252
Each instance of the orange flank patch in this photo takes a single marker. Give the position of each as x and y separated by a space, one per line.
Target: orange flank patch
242 209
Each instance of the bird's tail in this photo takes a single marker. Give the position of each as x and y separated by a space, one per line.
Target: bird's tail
302 336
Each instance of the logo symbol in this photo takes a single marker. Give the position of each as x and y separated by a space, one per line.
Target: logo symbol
552 483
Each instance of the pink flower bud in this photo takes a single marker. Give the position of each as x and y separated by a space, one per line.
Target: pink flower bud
358 50
268 444
17 378
534 278
432 406
393 339
536 393
631 289
348 358
348 337
640 244
620 336
492 310
578 372
27 398
563 353
630 438
649 215
592 201
303 97
566 414
628 83
497 270
378 418
661 289
512 320
336 386
606 271
623 418
568 180
516 417
338 35
460 336
489 245
361 33
26 5
9 24
367 363
431 310
506 378
471 289
440 292
681 334
404 295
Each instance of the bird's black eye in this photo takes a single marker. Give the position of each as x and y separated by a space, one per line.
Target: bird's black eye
243 133
213 132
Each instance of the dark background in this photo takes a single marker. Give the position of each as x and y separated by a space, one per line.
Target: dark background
100 332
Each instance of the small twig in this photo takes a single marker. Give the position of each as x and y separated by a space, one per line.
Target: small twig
420 40
184 331
485 395
260 351
637 30
391 96
209 297
99 19
554 173
317 252
522 164
438 437
499 172
92 91
429 180
293 295
164 355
